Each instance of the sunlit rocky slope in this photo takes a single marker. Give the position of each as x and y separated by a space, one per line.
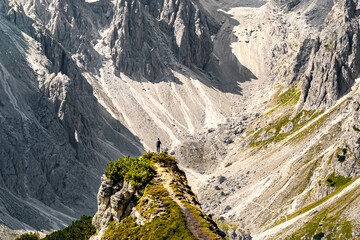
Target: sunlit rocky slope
257 99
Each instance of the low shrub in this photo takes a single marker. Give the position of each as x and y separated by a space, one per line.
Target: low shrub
80 229
341 158
139 171
29 236
319 236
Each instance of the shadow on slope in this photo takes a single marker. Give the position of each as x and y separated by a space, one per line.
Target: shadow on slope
55 141
224 67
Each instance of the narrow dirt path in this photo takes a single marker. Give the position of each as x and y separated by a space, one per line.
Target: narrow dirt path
192 222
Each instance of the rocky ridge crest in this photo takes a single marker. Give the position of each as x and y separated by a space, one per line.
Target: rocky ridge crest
152 207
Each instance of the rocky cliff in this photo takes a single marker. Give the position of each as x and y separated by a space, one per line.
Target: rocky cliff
55 136
182 28
329 63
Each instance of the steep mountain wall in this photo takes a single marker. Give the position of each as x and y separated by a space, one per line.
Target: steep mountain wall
332 66
55 136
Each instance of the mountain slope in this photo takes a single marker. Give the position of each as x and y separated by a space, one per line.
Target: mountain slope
258 100
303 150
55 136
76 90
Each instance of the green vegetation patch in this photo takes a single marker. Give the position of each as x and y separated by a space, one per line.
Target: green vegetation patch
337 181
79 230
207 224
226 226
319 236
169 222
29 236
329 222
327 47
291 96
341 154
341 158
312 128
139 171
317 203
356 129
275 129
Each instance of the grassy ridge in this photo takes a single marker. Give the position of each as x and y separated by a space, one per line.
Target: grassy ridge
168 222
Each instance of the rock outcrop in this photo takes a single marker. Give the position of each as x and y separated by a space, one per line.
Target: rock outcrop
115 202
164 207
330 62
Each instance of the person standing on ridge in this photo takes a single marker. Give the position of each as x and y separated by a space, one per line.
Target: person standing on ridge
158 143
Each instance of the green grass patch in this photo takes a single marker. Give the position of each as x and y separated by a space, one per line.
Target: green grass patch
300 120
226 226
80 229
330 220
204 221
29 236
310 129
337 181
139 171
290 96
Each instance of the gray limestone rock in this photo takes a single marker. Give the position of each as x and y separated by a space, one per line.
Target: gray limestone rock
329 64
55 136
114 203
181 27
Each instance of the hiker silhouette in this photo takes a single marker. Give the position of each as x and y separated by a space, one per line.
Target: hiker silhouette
158 143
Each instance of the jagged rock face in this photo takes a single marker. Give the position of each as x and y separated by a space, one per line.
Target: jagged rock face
115 202
330 63
136 29
139 26
56 138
